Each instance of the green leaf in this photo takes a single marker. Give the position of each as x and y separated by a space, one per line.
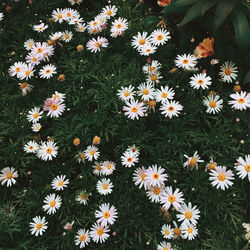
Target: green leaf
175 11
181 3
151 20
200 8
247 78
223 9
241 31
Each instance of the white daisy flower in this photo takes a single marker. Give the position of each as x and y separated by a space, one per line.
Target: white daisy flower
95 45
243 167
47 151
171 108
47 71
106 215
26 72
154 77
59 15
109 11
1 16
28 44
126 93
104 186
147 50
200 81
108 167
36 127
66 36
129 159
192 161
133 149
169 198
83 197
155 176
55 36
25 88
99 233
8 176
59 96
16 68
188 213
211 165
82 238
75 21
146 91
97 168
140 41
80 157
189 231
152 67
31 147
52 203
221 178
213 104
185 61
167 232
59 182
164 246
33 58
55 107
241 100
228 72
34 115
155 193
159 37
38 226
81 27
40 27
134 109
91 153
118 27
164 94
139 176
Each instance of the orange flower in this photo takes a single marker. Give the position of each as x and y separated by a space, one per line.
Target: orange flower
164 3
205 48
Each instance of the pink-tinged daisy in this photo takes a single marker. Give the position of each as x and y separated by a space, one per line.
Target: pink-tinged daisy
188 214
33 58
167 232
38 226
241 100
54 107
34 115
108 167
40 27
16 68
213 103
192 161
82 238
139 176
91 153
200 81
47 151
26 72
243 167
47 71
104 186
185 61
109 11
99 233
171 108
221 177
129 159
126 93
59 15
164 94
155 193
8 176
94 45
189 231
155 176
59 182
228 72
169 198
159 37
25 88
106 215
134 109
164 246
52 203
31 147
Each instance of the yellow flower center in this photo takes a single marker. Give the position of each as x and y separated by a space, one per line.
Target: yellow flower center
54 106
99 167
171 108
188 215
129 159
152 103
190 230
151 68
60 183
228 72
153 77
142 41
31 147
134 109
106 215
164 94
247 168
165 248
241 100
39 226
143 176
97 44
212 165
37 127
49 150
40 50
34 59
156 176
30 45
159 37
100 231
118 26
145 91
59 16
212 104
221 177
192 162
82 155
83 237
105 186
157 190
35 115
48 71
92 152
109 166
8 176
200 82
67 36
83 196
18 69
27 72
109 12
177 231
95 23
171 198
52 203
76 141
126 93
167 232
185 61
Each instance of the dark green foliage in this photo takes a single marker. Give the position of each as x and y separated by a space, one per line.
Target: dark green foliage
91 85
